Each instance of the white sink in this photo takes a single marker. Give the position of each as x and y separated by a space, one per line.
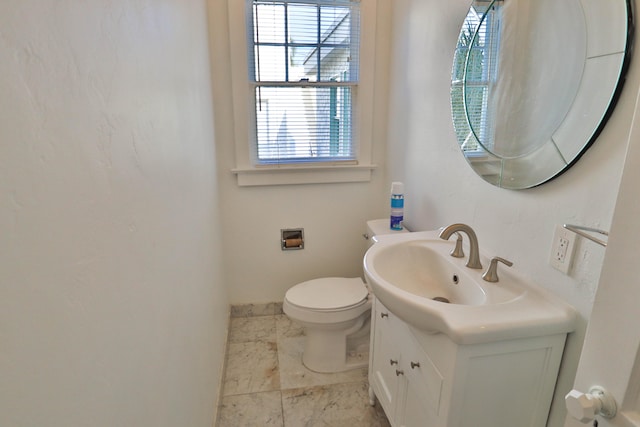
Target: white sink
407 271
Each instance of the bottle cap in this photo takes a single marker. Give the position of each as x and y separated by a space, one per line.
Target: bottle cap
397 188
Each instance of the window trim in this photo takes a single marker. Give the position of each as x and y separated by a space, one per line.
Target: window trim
248 172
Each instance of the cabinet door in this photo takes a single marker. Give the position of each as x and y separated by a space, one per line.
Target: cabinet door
385 361
421 404
421 399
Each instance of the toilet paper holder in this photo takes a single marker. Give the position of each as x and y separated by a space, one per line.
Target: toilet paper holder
292 239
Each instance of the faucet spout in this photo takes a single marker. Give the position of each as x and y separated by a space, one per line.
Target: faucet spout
474 252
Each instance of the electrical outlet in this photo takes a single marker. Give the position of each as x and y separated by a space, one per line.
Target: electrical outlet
562 249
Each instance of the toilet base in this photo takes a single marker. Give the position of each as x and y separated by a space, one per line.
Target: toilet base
327 350
335 337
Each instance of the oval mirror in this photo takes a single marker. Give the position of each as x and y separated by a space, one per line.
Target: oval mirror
534 82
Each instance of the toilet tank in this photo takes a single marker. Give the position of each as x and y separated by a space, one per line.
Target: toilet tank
378 227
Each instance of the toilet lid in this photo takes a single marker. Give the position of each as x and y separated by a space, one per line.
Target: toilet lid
330 293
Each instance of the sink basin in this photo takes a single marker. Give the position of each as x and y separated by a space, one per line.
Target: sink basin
414 276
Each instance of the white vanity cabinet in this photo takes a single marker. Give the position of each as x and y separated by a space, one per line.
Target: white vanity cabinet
427 380
402 376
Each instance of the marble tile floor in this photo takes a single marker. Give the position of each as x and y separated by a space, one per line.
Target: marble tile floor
266 383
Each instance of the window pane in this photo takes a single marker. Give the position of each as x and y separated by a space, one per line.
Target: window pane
268 25
303 124
304 60
303 24
317 42
337 50
335 24
335 64
274 68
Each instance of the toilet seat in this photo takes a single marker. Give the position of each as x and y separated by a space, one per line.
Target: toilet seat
328 294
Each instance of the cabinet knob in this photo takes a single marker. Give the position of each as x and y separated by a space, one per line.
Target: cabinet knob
393 362
383 315
415 365
399 372
585 406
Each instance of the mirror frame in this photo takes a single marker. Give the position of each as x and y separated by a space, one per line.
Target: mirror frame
533 169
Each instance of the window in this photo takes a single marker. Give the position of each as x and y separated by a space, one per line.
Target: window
303 65
307 106
473 76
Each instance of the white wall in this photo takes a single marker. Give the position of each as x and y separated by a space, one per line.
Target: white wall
333 215
442 189
610 354
112 307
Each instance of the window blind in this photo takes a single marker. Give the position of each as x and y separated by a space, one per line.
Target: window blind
303 68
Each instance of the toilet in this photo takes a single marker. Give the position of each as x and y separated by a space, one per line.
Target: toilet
335 313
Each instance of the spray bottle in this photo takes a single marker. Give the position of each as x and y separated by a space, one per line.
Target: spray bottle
397 205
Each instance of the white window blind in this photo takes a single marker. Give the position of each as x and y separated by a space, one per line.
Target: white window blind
303 67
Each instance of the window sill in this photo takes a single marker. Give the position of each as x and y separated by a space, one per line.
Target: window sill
308 174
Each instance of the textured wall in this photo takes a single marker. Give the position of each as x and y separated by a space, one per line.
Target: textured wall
112 309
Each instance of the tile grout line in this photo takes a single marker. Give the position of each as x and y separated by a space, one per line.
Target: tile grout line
275 318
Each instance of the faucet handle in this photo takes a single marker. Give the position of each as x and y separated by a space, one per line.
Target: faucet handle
457 251
491 275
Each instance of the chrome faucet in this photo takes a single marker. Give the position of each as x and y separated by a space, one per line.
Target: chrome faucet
474 252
